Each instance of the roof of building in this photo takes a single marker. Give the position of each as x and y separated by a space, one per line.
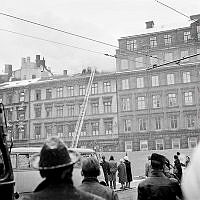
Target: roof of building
162 28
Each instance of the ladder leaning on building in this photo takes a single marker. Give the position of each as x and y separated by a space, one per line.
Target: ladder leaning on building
79 122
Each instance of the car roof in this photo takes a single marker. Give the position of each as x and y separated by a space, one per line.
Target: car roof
38 149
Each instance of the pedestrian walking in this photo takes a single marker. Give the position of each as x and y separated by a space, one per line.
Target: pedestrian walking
122 173
106 169
158 186
187 162
113 170
90 183
55 164
177 167
128 171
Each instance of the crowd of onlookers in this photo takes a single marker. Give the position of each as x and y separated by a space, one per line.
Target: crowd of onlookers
164 180
110 170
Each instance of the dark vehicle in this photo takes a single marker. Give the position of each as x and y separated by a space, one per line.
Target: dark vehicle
6 172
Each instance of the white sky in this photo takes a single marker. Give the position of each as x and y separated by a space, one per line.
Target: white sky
104 20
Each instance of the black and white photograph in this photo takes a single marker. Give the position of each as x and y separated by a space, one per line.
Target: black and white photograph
99 100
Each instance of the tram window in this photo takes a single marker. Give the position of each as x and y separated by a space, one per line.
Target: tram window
23 161
2 166
13 158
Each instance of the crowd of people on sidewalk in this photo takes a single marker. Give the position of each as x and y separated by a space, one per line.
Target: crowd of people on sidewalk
163 180
110 169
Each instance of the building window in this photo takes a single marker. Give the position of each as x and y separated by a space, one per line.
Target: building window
38 95
198 32
140 82
37 132
107 87
127 125
157 123
141 103
192 142
126 104
94 89
168 57
108 127
186 77
153 42
173 121
70 91
70 110
59 111
125 84
190 121
176 143
124 64
48 112
170 79
9 98
156 101
48 93
142 124
153 60
131 45
59 130
37 112
143 145
168 39
81 90
186 36
84 130
20 115
59 92
159 144
9 114
183 55
95 108
154 81
95 128
188 98
172 101
33 76
48 131
139 62
71 130
128 146
107 106
22 96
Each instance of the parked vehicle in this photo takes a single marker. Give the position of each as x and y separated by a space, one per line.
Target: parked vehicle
27 178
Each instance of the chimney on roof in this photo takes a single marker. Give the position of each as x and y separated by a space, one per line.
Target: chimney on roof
195 17
149 24
37 60
65 72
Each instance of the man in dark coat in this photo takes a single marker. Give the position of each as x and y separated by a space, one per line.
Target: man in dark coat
106 169
158 186
128 171
56 165
177 167
90 183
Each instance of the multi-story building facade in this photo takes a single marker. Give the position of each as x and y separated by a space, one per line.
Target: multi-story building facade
40 108
159 108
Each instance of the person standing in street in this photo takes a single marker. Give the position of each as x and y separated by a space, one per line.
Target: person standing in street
158 186
90 183
128 171
55 164
106 169
177 167
113 170
148 167
122 173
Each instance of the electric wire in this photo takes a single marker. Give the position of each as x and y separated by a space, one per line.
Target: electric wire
76 35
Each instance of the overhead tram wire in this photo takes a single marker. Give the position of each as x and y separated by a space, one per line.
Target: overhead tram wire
174 61
67 45
76 35
177 11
